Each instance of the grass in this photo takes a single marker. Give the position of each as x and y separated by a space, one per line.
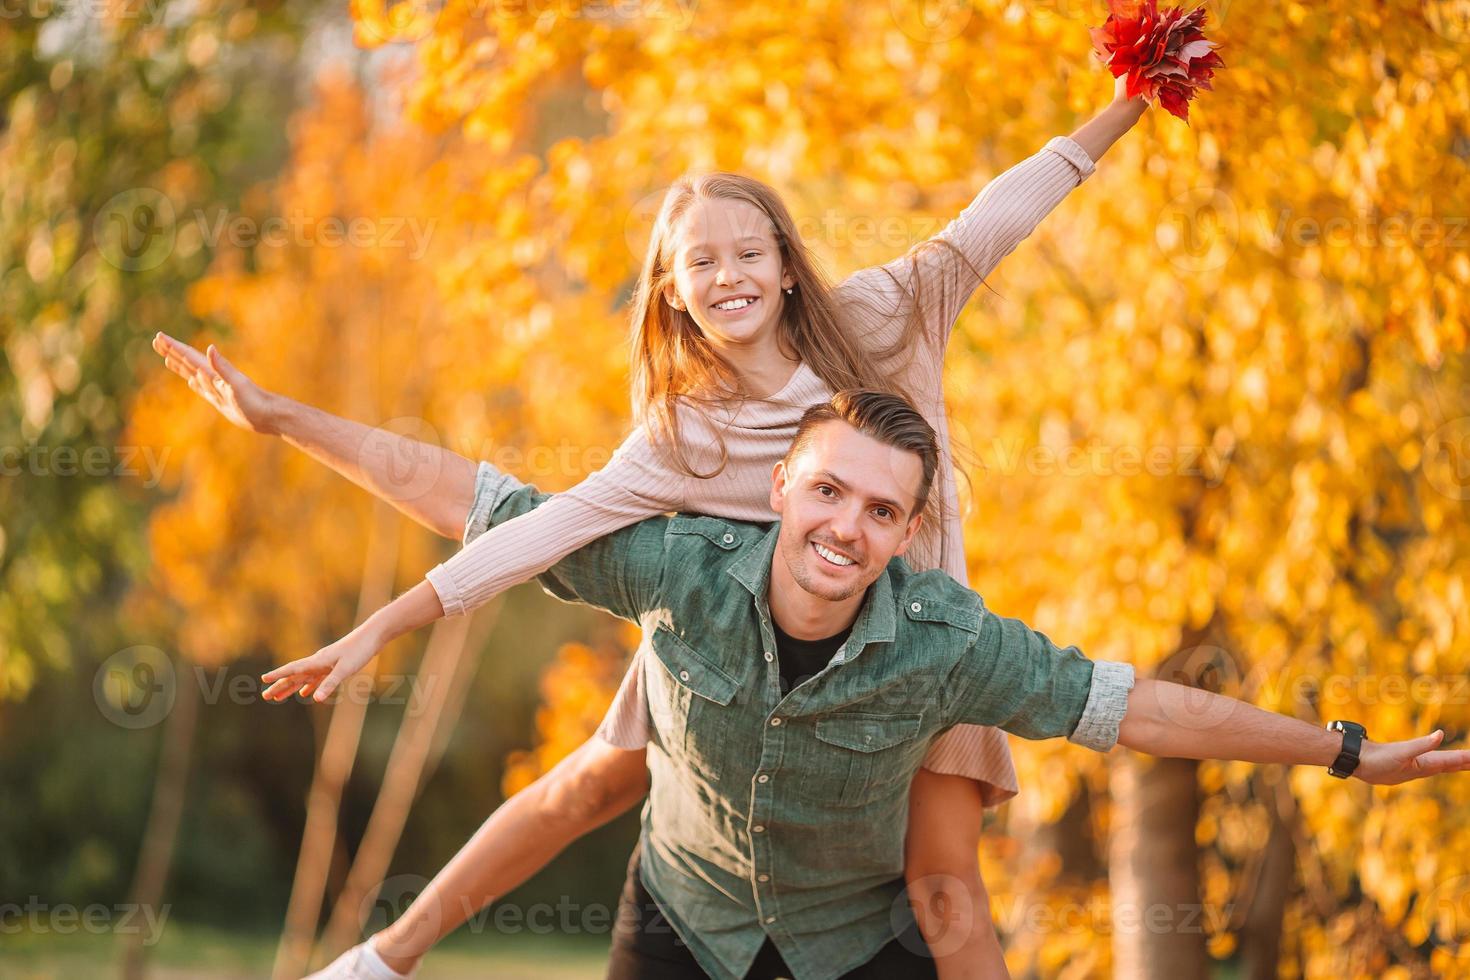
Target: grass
188 952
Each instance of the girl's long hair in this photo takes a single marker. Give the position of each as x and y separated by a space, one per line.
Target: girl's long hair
672 359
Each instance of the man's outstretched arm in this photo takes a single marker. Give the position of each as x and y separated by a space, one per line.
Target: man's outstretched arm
1015 678
1175 721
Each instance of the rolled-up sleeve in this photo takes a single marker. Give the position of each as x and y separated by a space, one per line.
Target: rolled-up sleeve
499 552
1107 703
1017 679
491 487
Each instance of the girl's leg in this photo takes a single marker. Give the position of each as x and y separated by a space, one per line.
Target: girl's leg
584 791
941 865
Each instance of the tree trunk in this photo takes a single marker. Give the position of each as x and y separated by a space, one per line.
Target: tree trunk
1158 930
164 816
452 643
1071 839
339 751
1260 933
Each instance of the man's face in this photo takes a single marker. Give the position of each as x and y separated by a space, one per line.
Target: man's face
847 504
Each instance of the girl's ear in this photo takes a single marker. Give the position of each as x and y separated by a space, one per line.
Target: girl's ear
787 280
671 296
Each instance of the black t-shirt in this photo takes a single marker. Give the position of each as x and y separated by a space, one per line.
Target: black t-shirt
800 659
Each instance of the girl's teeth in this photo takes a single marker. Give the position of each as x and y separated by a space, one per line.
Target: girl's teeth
737 304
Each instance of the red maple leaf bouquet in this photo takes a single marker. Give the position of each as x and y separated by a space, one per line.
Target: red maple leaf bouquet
1165 54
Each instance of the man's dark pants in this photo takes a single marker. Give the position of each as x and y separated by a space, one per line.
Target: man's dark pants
645 947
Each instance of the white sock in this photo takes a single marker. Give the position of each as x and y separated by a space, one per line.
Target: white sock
373 964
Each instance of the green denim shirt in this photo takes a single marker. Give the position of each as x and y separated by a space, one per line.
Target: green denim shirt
785 817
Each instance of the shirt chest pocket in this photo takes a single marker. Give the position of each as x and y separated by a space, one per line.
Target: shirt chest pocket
688 702
859 756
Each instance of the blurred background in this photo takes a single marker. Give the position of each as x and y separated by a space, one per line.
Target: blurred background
1213 419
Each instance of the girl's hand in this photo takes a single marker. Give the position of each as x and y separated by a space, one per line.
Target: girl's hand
321 673
220 383
1120 94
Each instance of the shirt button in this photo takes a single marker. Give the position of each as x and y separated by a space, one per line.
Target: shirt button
775 722
683 675
763 778
915 607
759 828
728 539
770 656
762 877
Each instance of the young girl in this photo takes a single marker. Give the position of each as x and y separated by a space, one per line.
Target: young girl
735 335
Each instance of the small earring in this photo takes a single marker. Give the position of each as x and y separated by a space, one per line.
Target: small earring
789 290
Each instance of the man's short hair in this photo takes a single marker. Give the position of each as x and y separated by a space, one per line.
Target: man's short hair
891 419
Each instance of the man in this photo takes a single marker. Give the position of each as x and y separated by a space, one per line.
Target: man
772 839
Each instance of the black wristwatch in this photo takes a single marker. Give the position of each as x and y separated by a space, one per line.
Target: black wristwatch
1352 742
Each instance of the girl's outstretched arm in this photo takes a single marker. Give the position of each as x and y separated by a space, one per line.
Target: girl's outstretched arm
1108 126
430 484
637 483
927 287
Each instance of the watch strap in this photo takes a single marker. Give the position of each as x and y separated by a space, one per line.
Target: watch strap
1352 743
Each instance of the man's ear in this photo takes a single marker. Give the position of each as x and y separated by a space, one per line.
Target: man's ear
778 486
671 296
908 534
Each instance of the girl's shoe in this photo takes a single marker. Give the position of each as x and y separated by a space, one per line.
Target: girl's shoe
361 962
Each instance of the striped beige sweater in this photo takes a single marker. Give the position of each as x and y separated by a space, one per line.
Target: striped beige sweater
638 482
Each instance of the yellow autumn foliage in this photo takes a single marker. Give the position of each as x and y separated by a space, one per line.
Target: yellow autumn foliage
1223 386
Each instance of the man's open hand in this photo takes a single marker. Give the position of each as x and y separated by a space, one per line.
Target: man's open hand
1387 763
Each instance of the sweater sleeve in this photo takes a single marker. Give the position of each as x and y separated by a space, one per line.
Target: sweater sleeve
945 270
637 483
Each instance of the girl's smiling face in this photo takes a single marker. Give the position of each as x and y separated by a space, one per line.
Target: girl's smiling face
728 273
